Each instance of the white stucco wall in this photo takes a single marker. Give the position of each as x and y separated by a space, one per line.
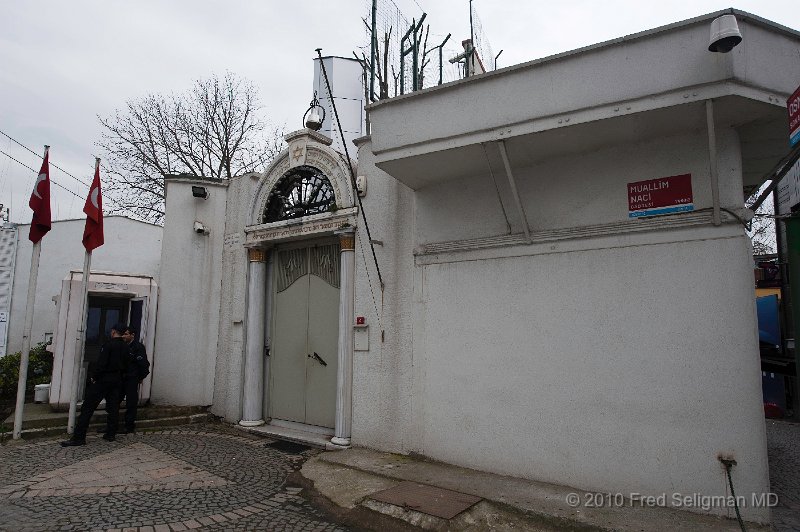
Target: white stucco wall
188 311
610 354
383 394
130 247
233 299
625 362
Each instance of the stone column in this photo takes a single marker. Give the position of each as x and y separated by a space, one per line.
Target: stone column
253 401
344 381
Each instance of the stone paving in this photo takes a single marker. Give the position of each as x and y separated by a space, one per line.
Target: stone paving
196 477
214 478
783 439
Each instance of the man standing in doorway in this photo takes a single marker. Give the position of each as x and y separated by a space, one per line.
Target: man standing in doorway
105 382
138 369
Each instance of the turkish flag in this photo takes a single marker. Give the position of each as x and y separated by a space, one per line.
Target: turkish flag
93 232
40 202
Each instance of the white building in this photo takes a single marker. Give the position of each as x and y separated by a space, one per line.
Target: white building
122 288
538 317
130 246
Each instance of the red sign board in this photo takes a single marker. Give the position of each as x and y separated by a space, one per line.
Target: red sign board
793 106
660 196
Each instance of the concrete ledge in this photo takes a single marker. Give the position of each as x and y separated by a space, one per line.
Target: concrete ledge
59 426
349 477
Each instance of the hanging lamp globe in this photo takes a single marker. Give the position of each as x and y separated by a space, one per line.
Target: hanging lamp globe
312 118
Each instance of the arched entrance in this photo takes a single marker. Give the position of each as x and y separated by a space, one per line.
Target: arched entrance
300 291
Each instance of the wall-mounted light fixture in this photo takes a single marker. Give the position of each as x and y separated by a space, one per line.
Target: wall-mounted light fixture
725 34
199 192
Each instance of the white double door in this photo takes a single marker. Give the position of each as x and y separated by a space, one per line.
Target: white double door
305 334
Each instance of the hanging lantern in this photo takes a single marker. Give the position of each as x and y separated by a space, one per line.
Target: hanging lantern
312 118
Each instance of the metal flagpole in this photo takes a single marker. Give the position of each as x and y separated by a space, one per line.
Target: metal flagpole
26 335
80 337
26 341
79 342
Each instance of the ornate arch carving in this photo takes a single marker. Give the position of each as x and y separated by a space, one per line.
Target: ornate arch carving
306 149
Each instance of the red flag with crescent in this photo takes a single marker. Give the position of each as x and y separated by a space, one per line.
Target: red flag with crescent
40 202
93 232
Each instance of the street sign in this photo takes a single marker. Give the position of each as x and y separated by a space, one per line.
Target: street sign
664 195
793 106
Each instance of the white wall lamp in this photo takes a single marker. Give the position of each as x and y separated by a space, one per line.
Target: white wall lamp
725 34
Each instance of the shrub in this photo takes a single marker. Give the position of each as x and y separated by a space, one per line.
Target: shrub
40 370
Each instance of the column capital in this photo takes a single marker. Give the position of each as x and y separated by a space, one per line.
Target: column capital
346 238
256 254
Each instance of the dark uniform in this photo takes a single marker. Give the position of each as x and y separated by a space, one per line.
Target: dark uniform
105 382
138 369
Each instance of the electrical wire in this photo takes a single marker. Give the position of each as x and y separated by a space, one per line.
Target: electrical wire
369 280
84 183
15 141
36 172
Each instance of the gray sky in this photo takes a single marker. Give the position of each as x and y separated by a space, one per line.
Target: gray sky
64 63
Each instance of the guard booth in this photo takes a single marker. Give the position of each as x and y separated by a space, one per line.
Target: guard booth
113 298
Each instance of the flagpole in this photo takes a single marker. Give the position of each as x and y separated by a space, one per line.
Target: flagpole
26 335
26 341
79 343
80 337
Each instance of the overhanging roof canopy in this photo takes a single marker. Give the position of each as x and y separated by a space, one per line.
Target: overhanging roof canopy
643 86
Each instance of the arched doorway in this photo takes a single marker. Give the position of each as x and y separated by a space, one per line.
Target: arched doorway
300 292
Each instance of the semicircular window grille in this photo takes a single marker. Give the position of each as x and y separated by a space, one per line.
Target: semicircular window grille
303 191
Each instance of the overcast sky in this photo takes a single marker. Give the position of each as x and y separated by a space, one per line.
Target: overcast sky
63 63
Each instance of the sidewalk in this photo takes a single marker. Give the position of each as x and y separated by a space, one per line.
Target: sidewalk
352 478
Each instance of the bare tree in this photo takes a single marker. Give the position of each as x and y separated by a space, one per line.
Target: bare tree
214 130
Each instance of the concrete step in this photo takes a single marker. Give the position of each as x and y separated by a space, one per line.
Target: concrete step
39 419
141 425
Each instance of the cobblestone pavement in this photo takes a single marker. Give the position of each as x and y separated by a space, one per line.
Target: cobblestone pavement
783 439
195 477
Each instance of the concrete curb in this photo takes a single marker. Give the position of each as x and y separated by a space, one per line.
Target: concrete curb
348 477
142 425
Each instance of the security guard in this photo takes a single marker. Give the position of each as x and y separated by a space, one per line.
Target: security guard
138 369
105 382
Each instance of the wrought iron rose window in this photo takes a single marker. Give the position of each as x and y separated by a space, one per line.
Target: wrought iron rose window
301 192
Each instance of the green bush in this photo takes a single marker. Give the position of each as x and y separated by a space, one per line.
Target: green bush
40 370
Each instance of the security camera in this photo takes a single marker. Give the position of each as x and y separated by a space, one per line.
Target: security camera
200 229
725 34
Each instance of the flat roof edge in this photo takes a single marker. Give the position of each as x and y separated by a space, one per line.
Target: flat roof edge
743 15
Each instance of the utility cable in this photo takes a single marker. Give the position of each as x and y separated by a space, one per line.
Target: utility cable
350 166
84 183
15 141
369 280
728 466
36 172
